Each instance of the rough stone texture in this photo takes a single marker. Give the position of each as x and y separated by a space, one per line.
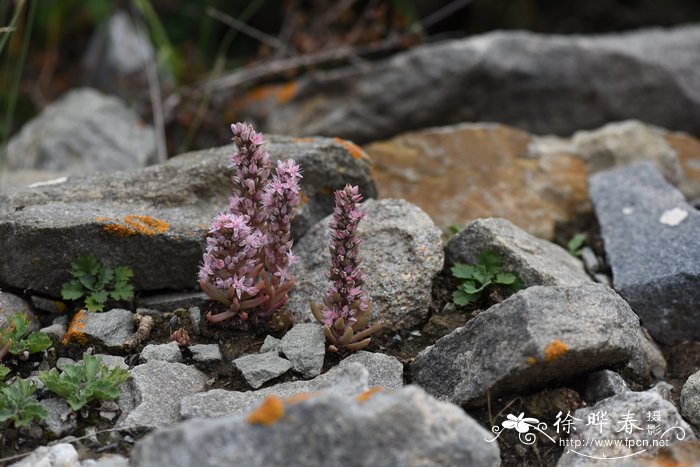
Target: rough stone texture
10 305
109 460
270 344
408 428
402 253
602 384
205 353
169 352
259 368
538 336
638 404
62 362
656 266
537 261
467 171
349 380
179 198
541 83
60 420
647 364
113 361
305 346
58 455
55 332
154 391
173 301
384 370
195 319
110 329
84 131
690 399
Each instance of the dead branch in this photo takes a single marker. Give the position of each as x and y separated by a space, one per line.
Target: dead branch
145 326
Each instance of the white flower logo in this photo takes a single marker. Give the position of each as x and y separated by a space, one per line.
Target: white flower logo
520 423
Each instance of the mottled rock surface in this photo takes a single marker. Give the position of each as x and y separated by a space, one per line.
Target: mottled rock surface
259 368
305 346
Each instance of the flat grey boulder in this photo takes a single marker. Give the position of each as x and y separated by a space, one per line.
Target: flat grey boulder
205 353
536 337
349 380
542 83
408 428
152 397
259 368
106 330
401 254
651 241
305 346
537 261
631 419
84 131
384 370
690 399
164 209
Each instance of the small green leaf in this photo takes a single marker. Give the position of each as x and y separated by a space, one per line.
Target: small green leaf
104 277
122 291
86 266
72 290
470 288
93 306
4 371
461 298
455 229
482 274
37 342
463 271
505 278
576 244
490 260
123 273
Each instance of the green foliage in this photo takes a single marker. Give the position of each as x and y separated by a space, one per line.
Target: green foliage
454 229
4 371
475 279
576 243
85 381
97 283
18 404
15 332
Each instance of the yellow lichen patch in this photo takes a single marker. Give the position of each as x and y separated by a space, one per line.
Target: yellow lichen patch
75 330
352 148
531 360
364 397
301 397
270 411
304 199
555 350
133 225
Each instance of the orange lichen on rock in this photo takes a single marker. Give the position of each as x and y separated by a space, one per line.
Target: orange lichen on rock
352 148
270 411
304 199
364 397
531 360
281 93
305 139
75 330
134 225
555 350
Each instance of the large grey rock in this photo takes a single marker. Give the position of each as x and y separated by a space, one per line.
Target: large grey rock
108 330
305 346
402 253
113 361
635 407
384 370
541 83
348 380
205 353
259 368
408 428
84 131
164 210
173 301
690 399
537 261
57 455
538 336
651 241
169 352
60 419
153 395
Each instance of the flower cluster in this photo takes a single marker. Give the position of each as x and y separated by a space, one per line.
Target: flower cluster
347 311
248 255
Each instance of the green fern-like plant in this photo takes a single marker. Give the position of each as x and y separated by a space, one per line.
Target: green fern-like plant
16 339
84 382
475 279
19 405
97 283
